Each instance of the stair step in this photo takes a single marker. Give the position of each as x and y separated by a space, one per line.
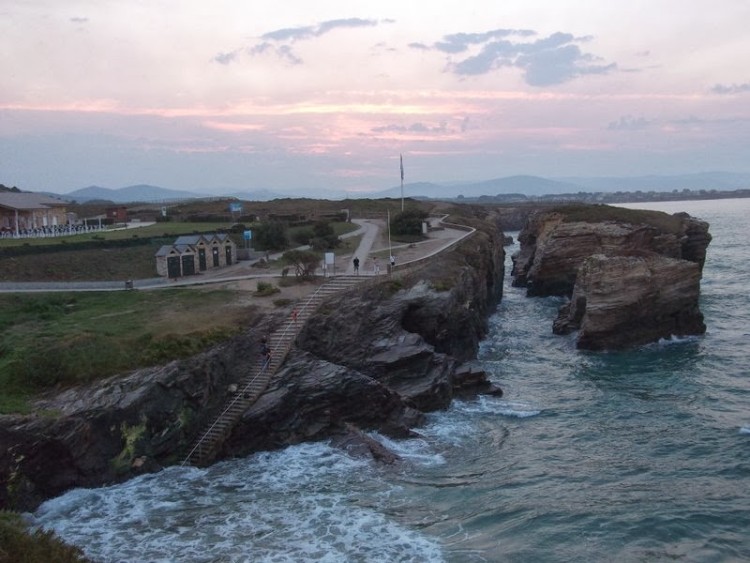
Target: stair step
260 373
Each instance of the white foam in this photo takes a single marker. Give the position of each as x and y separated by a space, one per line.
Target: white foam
494 405
675 340
415 450
308 502
517 410
745 429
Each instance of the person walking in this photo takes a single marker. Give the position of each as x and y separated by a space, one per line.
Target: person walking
265 351
375 265
356 265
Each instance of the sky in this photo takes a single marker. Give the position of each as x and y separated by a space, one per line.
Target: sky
301 96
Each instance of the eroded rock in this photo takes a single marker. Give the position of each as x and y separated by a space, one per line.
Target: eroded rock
623 301
633 276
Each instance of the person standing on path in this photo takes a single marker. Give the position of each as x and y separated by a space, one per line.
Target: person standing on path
375 265
356 265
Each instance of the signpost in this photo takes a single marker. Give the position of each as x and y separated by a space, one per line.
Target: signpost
330 263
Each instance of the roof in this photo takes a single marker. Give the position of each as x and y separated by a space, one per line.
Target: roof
26 200
183 248
165 250
190 239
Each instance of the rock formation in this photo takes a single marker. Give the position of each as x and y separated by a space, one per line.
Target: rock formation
623 301
374 359
633 276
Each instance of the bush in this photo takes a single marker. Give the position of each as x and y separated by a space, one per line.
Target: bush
408 222
302 236
270 236
17 543
305 262
266 288
323 237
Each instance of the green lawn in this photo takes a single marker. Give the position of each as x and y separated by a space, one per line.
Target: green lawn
167 229
60 339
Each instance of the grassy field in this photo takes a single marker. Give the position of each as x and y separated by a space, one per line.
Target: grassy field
61 339
106 264
167 229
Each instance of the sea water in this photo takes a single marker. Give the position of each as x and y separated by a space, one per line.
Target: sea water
641 455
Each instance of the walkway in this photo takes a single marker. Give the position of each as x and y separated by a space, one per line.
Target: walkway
209 443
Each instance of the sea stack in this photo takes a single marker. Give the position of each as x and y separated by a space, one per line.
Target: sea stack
633 276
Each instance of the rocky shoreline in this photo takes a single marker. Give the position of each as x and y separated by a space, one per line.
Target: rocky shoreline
376 358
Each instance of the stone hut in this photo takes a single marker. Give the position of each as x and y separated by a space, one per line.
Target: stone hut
191 254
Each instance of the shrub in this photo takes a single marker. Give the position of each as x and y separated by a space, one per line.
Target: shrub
266 288
304 261
408 222
17 543
302 236
442 285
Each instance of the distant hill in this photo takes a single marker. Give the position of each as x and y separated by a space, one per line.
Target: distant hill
257 195
699 181
538 186
141 192
528 185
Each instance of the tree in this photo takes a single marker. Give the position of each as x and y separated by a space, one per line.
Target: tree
408 222
304 261
270 236
324 237
303 236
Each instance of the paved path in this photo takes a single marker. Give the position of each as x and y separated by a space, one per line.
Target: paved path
370 229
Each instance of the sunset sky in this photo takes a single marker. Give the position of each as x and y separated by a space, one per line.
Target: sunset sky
235 95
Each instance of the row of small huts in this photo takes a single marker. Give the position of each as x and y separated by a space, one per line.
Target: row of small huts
192 254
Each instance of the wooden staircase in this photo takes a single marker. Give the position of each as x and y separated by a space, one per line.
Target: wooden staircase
209 442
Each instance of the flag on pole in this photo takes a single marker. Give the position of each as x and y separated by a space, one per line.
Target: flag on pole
402 166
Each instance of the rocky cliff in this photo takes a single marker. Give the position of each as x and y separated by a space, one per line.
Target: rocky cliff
375 358
633 276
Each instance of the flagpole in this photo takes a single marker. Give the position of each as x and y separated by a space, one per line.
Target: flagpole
401 160
390 252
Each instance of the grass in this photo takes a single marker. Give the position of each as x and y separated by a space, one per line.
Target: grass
61 339
106 264
100 264
22 545
167 229
597 213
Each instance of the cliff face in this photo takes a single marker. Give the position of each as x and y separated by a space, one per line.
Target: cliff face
381 357
631 280
376 358
623 301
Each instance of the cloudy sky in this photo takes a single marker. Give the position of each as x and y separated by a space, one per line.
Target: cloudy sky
294 94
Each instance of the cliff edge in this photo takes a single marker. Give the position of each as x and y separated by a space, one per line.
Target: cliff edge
375 358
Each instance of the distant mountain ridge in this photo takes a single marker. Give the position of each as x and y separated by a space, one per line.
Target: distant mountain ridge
140 192
698 181
522 184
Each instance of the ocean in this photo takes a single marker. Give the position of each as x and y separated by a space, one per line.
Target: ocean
641 455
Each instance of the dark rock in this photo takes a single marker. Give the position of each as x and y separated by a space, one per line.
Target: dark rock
359 444
311 399
376 358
